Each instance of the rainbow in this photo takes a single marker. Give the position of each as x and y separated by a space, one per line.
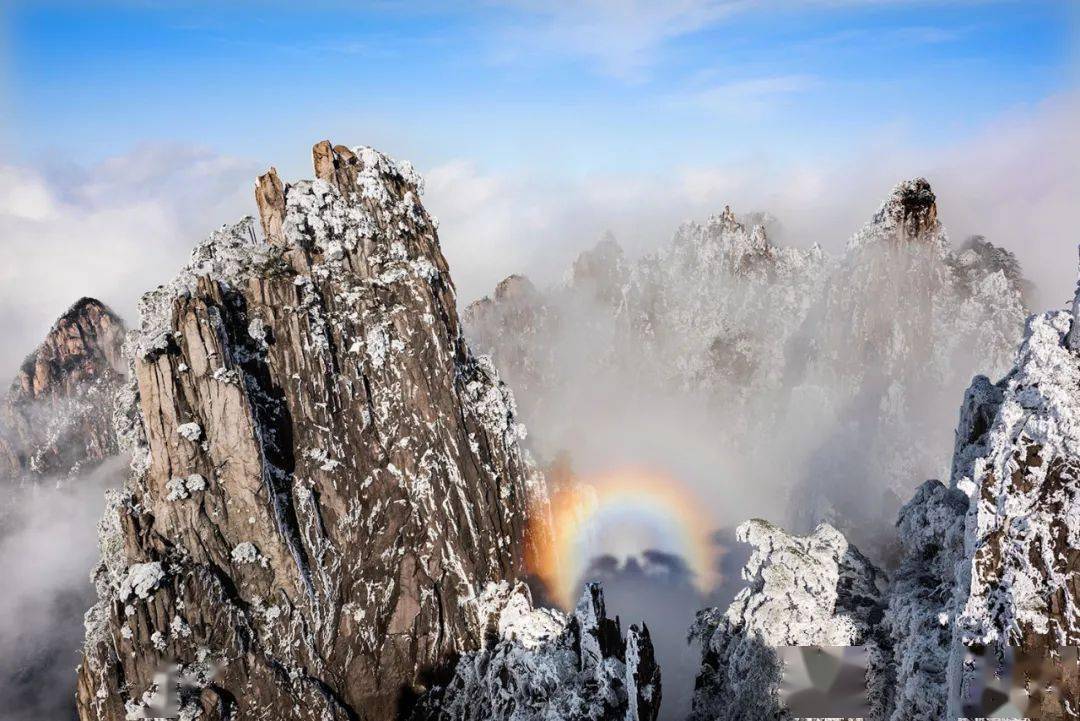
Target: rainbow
624 512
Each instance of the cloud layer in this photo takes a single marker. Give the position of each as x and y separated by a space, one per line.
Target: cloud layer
119 228
110 231
48 547
1014 182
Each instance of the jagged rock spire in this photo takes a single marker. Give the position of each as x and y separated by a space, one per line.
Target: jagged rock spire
270 199
908 215
913 207
325 476
801 591
543 664
1018 461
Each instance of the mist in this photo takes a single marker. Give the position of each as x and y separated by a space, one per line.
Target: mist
116 228
749 380
659 589
48 548
721 402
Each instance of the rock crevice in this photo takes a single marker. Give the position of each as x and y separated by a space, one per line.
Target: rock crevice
325 477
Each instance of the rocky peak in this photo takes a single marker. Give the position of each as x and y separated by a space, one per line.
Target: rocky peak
913 206
740 248
601 272
56 415
515 288
325 477
908 215
921 606
83 344
986 561
509 325
1018 445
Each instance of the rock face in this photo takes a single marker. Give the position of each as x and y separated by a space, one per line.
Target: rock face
542 665
325 478
908 215
57 416
904 322
812 373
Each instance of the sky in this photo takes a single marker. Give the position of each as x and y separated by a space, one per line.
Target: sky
131 129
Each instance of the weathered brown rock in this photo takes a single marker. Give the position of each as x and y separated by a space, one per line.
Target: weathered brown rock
337 165
910 214
57 415
270 199
325 477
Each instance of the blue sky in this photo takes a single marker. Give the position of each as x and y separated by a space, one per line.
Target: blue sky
557 87
131 129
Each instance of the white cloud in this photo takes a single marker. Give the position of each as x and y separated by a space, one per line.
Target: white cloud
111 231
621 36
753 96
625 38
118 229
23 198
1015 182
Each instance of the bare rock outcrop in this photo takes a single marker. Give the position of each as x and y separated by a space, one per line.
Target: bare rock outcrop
325 478
57 416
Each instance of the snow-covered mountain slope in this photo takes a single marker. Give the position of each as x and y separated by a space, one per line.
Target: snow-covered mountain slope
325 478
56 418
813 374
1018 460
988 561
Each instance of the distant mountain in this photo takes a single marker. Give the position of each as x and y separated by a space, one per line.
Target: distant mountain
56 419
813 374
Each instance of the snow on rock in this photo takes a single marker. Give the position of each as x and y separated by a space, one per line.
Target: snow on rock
921 601
141 580
1018 461
988 560
802 591
182 488
190 431
908 215
195 482
361 500
177 489
245 552
545 666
